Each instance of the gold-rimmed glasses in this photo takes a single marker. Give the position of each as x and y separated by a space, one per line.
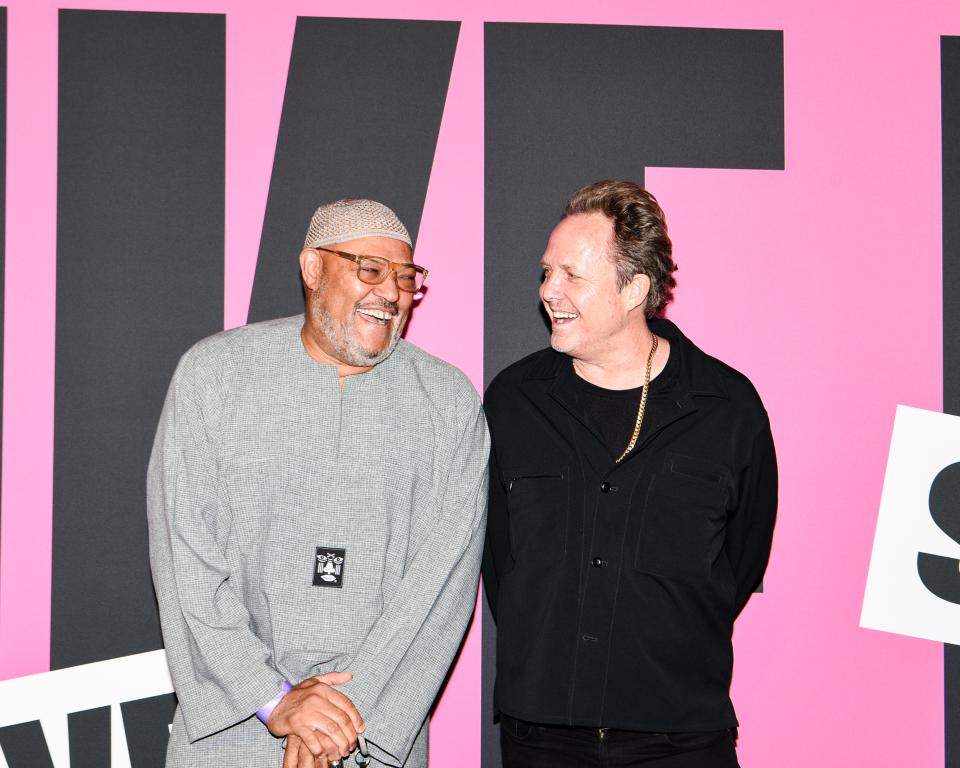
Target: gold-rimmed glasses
373 270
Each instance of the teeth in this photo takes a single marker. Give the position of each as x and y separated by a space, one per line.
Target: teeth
564 315
377 313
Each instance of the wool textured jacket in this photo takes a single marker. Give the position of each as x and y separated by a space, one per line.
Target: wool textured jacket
615 586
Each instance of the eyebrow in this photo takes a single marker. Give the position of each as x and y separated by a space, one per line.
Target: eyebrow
565 267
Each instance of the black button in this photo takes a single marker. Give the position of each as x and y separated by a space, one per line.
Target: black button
605 487
597 562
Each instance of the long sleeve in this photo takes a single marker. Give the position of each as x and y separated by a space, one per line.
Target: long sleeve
750 530
221 670
497 558
402 662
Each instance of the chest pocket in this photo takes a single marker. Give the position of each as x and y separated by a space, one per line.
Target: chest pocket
684 518
538 502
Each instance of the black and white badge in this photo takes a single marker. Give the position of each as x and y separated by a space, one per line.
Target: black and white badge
328 567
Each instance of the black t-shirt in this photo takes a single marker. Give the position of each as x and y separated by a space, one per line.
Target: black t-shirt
612 413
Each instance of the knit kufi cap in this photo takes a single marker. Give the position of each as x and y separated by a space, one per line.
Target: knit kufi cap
352 219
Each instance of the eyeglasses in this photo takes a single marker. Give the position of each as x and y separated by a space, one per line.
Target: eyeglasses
374 270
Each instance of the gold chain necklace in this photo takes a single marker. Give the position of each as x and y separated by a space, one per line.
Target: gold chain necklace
643 401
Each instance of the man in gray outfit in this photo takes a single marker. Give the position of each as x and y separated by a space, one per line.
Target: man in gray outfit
316 500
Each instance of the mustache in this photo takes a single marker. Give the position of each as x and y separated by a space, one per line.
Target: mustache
379 303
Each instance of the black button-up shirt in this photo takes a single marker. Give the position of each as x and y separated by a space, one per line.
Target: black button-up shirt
615 586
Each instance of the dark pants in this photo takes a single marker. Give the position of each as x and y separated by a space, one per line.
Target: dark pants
528 745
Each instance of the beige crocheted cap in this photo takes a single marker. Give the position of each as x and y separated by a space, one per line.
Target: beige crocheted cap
352 219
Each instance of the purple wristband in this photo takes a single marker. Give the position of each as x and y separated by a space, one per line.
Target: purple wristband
263 714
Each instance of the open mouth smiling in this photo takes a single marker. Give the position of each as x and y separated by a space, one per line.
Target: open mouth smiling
377 316
560 318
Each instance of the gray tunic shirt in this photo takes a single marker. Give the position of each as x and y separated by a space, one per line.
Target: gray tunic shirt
263 462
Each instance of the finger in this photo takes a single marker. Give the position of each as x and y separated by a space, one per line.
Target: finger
325 717
326 746
310 740
334 711
306 760
334 678
344 704
327 726
291 754
347 728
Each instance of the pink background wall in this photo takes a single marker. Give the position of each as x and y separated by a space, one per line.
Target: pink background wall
822 282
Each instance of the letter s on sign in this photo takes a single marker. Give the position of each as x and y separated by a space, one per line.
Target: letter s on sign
941 575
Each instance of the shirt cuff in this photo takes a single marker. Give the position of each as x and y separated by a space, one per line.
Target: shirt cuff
263 714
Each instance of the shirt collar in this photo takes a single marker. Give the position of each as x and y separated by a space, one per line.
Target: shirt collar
698 371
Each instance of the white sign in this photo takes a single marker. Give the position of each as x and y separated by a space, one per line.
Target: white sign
914 581
50 696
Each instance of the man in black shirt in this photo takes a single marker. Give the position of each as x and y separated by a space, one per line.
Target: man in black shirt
633 490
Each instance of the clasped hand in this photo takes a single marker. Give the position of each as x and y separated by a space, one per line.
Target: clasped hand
319 722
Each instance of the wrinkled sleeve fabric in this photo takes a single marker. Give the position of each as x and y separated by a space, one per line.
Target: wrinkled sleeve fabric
402 662
750 529
221 670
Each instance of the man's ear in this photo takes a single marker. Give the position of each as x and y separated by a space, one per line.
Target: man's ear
636 291
311 267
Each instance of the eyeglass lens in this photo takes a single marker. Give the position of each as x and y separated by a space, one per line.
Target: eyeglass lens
374 270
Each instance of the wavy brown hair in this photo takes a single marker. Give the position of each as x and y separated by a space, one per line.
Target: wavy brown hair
640 236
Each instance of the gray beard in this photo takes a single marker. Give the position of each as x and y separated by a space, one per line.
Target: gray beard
345 347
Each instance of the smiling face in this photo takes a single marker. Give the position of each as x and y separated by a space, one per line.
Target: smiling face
349 322
590 318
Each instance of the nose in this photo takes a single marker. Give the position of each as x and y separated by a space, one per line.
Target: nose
388 289
550 287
